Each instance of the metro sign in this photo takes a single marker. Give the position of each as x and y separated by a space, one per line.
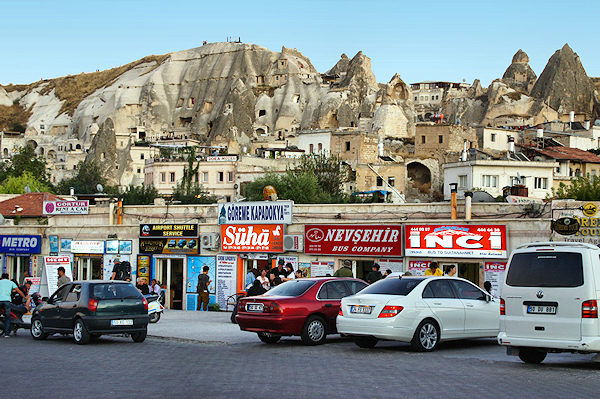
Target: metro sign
462 241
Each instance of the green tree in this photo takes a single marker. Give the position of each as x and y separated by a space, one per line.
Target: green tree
581 189
135 195
26 160
188 190
331 174
89 175
17 184
300 187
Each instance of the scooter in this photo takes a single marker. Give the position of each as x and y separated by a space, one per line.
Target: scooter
16 319
155 306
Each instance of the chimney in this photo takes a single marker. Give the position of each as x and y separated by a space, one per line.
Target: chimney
380 147
572 116
586 125
511 144
468 197
453 205
540 132
463 155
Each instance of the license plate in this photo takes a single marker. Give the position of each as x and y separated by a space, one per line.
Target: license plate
122 322
361 309
536 309
254 307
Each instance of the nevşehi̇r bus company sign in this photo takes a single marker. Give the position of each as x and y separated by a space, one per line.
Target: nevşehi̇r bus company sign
259 212
353 240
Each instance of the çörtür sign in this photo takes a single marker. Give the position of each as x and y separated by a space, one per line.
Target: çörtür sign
461 241
353 240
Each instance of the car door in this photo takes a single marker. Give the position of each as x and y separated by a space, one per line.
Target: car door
482 315
330 295
50 311
68 307
449 310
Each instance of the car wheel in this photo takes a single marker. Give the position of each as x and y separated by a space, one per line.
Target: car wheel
37 330
269 338
366 342
154 317
314 331
80 333
532 356
139 336
426 336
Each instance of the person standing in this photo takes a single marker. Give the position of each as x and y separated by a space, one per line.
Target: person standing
251 277
374 275
121 271
345 270
434 270
387 273
202 288
450 271
62 277
279 270
7 287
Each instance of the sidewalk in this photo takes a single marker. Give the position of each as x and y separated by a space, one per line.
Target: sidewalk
209 327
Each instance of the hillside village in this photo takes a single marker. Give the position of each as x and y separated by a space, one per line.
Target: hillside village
249 111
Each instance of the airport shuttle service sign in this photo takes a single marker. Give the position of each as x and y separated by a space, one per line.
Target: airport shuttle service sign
252 238
353 240
468 241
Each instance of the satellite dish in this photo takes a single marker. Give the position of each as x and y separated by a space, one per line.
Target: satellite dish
2 220
99 187
27 189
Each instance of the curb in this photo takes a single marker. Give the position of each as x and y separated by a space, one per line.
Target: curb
187 340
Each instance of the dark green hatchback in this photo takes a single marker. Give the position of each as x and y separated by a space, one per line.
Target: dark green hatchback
88 309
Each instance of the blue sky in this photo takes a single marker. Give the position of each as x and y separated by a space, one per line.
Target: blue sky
432 40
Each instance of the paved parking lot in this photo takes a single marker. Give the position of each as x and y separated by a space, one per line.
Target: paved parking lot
222 368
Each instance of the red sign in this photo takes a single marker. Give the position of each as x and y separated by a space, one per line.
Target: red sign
459 241
353 240
252 238
495 267
418 267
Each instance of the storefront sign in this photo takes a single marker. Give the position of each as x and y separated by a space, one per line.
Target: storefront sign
265 212
169 230
143 267
565 226
87 247
15 244
226 278
494 273
252 238
353 240
222 158
418 267
460 241
51 265
293 260
66 207
321 269
183 246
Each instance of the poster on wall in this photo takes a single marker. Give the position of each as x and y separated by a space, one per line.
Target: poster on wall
36 283
171 246
494 273
112 246
460 241
143 267
65 245
35 263
226 278
304 267
194 269
321 269
395 265
109 262
288 259
53 241
353 240
51 265
125 246
418 267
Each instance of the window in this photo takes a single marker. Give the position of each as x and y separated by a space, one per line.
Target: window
541 183
391 181
311 149
347 146
204 177
115 291
468 291
320 147
142 155
489 181
438 289
547 269
60 294
441 139
262 112
139 170
426 98
416 98
221 178
163 177
172 177
74 293
379 181
462 181
355 286
291 288
393 286
558 169
493 137
229 177
423 139
333 290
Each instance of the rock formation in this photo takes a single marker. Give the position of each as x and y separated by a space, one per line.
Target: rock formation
519 75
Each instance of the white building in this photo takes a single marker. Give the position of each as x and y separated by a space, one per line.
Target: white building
492 175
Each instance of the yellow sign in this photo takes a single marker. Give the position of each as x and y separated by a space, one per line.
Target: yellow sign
590 209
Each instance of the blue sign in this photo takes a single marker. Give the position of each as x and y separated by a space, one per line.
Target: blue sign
12 244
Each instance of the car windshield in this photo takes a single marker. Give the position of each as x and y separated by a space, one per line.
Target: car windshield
291 288
392 286
115 291
545 269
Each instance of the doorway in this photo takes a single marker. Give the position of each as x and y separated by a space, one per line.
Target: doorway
17 267
169 273
469 271
88 268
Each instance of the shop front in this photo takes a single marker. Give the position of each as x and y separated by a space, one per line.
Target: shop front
166 253
479 252
363 245
16 252
88 258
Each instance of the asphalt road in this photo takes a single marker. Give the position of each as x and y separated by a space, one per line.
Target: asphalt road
117 367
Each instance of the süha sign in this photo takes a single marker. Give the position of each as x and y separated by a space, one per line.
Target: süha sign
565 226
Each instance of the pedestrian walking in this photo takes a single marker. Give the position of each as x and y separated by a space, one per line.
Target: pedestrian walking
345 270
202 288
374 275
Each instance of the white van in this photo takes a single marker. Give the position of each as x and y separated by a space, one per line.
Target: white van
549 300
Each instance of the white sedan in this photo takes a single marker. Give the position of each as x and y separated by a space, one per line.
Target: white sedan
421 310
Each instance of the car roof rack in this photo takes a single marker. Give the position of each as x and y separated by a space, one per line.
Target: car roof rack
558 244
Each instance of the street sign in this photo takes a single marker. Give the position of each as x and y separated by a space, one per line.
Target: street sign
565 226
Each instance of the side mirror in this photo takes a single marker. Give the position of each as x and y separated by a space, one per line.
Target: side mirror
488 298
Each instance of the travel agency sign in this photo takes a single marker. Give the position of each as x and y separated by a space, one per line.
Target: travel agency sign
259 212
353 240
459 241
66 207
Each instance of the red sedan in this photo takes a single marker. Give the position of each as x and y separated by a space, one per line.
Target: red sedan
306 307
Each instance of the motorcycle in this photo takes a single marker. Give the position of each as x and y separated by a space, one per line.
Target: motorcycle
155 306
16 315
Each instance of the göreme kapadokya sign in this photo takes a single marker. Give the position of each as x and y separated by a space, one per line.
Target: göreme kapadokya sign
353 240
259 212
